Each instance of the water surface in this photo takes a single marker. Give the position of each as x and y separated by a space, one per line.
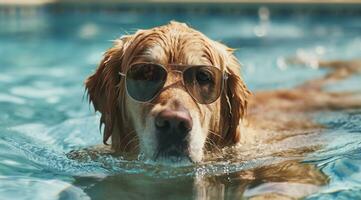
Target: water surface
46 56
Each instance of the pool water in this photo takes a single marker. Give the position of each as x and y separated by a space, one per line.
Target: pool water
45 57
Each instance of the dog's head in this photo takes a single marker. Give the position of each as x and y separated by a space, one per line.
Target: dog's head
173 125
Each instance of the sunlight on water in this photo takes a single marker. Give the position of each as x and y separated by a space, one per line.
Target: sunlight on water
45 59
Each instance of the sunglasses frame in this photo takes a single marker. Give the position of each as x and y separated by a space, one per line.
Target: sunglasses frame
181 71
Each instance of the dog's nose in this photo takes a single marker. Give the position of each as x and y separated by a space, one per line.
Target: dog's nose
176 121
173 127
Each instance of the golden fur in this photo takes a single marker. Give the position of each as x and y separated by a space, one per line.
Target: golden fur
172 43
223 122
237 117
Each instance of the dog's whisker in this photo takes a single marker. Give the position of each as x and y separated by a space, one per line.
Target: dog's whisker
135 138
126 137
157 154
132 139
212 144
215 134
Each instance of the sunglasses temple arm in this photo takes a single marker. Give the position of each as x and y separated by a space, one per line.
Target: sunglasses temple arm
225 76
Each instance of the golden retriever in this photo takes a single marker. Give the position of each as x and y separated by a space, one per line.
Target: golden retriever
172 94
135 126
175 122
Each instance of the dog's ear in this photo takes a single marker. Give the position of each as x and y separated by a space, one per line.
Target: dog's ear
103 87
233 102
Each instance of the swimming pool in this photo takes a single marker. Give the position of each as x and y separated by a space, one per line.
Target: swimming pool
47 53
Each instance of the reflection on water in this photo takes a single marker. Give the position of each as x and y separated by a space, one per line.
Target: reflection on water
286 179
46 56
260 171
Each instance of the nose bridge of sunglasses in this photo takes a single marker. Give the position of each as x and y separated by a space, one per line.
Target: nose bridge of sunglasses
174 78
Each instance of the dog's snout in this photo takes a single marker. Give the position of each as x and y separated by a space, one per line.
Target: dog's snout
173 127
177 121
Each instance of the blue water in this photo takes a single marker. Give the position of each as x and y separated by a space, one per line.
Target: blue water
45 57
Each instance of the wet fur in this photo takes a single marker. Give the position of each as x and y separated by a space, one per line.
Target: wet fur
267 110
106 88
239 116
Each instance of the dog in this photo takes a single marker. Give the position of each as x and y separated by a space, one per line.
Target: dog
172 94
175 123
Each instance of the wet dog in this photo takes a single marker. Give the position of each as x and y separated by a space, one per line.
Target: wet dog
171 93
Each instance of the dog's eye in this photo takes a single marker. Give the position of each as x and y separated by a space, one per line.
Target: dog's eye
145 72
204 77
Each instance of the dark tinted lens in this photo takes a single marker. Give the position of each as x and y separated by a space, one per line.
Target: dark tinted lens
204 83
145 80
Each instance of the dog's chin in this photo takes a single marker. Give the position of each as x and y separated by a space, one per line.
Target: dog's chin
173 157
174 160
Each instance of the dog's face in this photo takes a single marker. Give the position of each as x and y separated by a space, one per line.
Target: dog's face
173 125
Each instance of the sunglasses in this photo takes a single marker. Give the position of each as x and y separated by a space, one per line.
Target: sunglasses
144 81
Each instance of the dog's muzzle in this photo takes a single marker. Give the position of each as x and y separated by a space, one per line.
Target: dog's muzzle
172 130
